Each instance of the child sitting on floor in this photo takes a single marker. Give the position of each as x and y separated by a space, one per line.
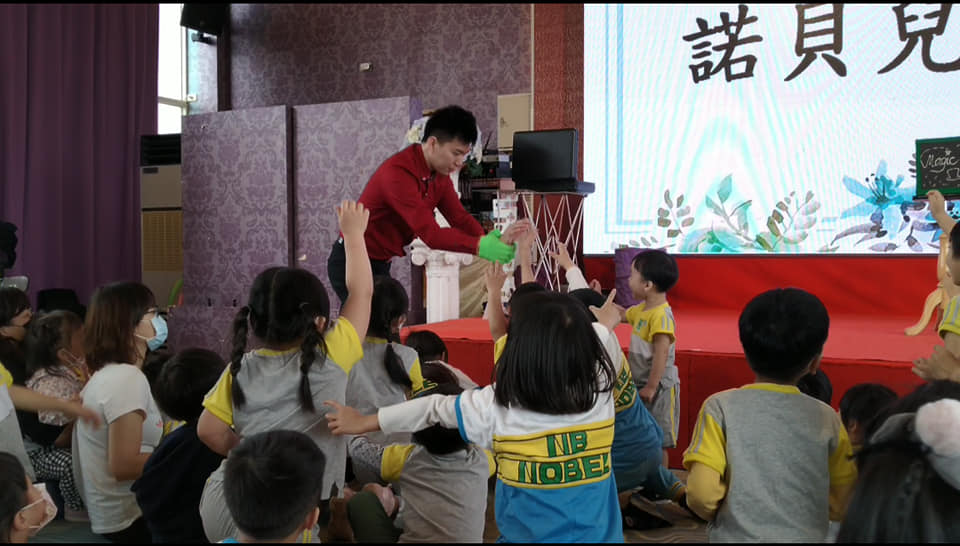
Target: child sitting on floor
431 348
168 491
443 480
272 486
766 462
548 418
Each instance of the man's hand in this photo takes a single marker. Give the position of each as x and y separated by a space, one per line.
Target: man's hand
562 257
516 230
608 315
942 364
353 218
493 249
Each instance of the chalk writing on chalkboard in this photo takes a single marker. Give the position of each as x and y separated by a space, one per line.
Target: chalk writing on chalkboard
938 166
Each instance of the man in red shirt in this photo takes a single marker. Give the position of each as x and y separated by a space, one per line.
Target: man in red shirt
403 192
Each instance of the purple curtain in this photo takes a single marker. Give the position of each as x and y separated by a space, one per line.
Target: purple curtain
78 86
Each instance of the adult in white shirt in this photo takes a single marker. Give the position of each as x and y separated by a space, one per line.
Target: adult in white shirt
122 323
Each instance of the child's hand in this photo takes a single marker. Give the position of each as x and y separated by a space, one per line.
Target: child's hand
595 286
940 365
562 257
526 240
353 218
516 230
938 204
647 393
346 420
84 413
495 276
608 315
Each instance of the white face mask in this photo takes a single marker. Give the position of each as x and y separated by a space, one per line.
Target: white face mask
50 507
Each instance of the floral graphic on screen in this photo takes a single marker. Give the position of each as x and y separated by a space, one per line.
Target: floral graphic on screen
886 219
894 218
730 227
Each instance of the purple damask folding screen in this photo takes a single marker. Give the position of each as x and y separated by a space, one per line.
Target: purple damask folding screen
338 147
236 222
247 207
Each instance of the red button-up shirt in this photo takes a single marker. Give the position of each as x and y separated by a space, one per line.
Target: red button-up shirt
401 196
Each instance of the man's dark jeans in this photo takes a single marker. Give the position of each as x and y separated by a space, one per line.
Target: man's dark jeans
337 269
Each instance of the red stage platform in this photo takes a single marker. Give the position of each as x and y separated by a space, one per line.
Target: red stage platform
860 349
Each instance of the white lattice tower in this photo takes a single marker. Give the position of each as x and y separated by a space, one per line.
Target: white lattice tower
550 234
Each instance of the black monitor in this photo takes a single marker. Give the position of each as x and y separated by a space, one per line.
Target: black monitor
544 158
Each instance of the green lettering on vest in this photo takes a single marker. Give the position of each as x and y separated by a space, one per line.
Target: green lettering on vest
572 470
592 466
551 473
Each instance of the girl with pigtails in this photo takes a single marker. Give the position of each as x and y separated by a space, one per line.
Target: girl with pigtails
300 364
389 372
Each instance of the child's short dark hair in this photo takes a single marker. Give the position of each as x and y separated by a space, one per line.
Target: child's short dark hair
436 439
817 385
184 380
955 240
449 123
522 292
657 267
588 297
428 344
271 481
782 331
862 403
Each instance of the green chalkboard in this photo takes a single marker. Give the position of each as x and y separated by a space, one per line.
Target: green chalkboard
938 166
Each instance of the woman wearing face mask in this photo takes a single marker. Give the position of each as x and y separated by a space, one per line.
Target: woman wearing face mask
25 508
122 324
54 349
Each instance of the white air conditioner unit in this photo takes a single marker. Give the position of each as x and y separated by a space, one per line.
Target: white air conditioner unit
161 217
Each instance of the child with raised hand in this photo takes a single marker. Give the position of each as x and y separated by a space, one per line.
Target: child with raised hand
548 418
573 274
637 440
944 363
767 462
499 321
442 478
302 363
431 348
389 371
272 486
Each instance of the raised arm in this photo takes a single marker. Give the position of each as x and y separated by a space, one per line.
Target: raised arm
495 277
353 219
938 209
524 255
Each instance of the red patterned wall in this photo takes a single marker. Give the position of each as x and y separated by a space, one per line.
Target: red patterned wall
558 69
